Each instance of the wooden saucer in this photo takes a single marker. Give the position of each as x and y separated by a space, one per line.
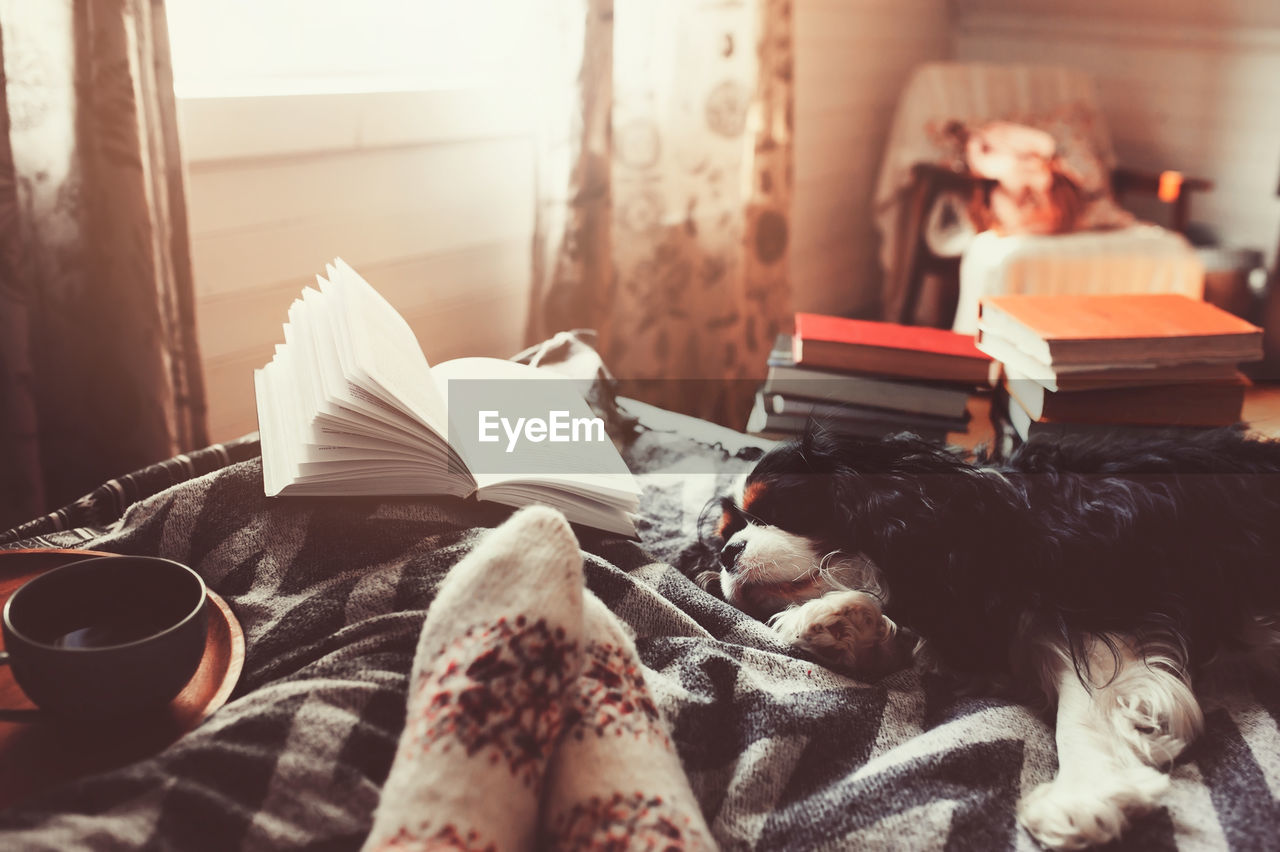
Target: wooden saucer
38 751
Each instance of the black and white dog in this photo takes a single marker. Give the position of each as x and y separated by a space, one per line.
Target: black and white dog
1110 577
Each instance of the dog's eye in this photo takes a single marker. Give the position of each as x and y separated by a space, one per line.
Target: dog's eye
731 520
789 507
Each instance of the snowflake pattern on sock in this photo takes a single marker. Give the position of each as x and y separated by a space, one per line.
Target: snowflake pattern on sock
611 699
624 822
448 838
496 689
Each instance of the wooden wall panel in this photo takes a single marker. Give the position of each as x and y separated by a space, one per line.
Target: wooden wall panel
1211 14
852 60
465 302
1186 86
437 215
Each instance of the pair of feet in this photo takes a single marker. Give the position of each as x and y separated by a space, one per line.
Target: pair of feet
529 721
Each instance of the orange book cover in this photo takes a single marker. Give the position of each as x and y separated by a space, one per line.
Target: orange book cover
1121 327
884 348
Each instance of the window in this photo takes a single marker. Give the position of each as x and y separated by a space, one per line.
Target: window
278 47
346 74
395 133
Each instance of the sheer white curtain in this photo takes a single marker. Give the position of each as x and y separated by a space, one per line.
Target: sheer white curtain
664 191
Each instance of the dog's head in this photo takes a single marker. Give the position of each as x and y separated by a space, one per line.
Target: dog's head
794 532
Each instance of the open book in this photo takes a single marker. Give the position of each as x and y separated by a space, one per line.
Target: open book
349 406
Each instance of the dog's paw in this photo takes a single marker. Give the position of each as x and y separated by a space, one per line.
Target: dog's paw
847 629
1079 813
1157 715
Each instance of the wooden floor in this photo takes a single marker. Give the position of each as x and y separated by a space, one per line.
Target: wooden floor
980 429
1262 408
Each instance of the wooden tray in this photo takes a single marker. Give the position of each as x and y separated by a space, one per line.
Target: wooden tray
38 751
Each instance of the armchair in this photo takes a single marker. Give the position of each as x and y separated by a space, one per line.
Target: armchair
923 172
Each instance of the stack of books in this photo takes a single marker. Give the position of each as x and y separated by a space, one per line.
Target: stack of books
869 378
1134 363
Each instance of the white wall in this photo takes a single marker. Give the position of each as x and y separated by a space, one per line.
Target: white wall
1185 84
428 195
852 60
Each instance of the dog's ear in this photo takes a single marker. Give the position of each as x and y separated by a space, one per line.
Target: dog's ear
826 450
848 497
884 505
700 561
814 437
822 446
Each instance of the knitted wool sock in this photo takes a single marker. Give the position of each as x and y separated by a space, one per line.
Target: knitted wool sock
616 782
499 649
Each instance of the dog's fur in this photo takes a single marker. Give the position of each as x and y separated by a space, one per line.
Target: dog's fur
1108 576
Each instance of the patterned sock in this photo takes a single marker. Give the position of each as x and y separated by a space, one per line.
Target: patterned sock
616 782
487 694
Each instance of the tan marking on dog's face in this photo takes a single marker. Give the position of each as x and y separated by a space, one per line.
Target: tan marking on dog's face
751 494
725 519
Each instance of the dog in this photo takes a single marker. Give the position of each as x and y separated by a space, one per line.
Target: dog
1109 576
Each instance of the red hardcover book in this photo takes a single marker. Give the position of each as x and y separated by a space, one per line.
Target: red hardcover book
888 349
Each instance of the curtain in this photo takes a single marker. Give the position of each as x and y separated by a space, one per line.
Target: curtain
99 370
664 188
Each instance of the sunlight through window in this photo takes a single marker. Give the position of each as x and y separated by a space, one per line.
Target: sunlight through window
253 47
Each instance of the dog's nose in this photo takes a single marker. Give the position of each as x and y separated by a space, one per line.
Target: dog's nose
730 553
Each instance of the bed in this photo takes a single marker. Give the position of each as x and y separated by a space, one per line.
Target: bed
781 752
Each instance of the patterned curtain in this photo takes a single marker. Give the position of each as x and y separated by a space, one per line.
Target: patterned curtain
99 371
664 188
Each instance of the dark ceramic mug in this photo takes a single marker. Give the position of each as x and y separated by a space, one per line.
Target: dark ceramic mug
106 636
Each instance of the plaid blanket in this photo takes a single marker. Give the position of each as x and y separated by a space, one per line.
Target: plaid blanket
781 752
